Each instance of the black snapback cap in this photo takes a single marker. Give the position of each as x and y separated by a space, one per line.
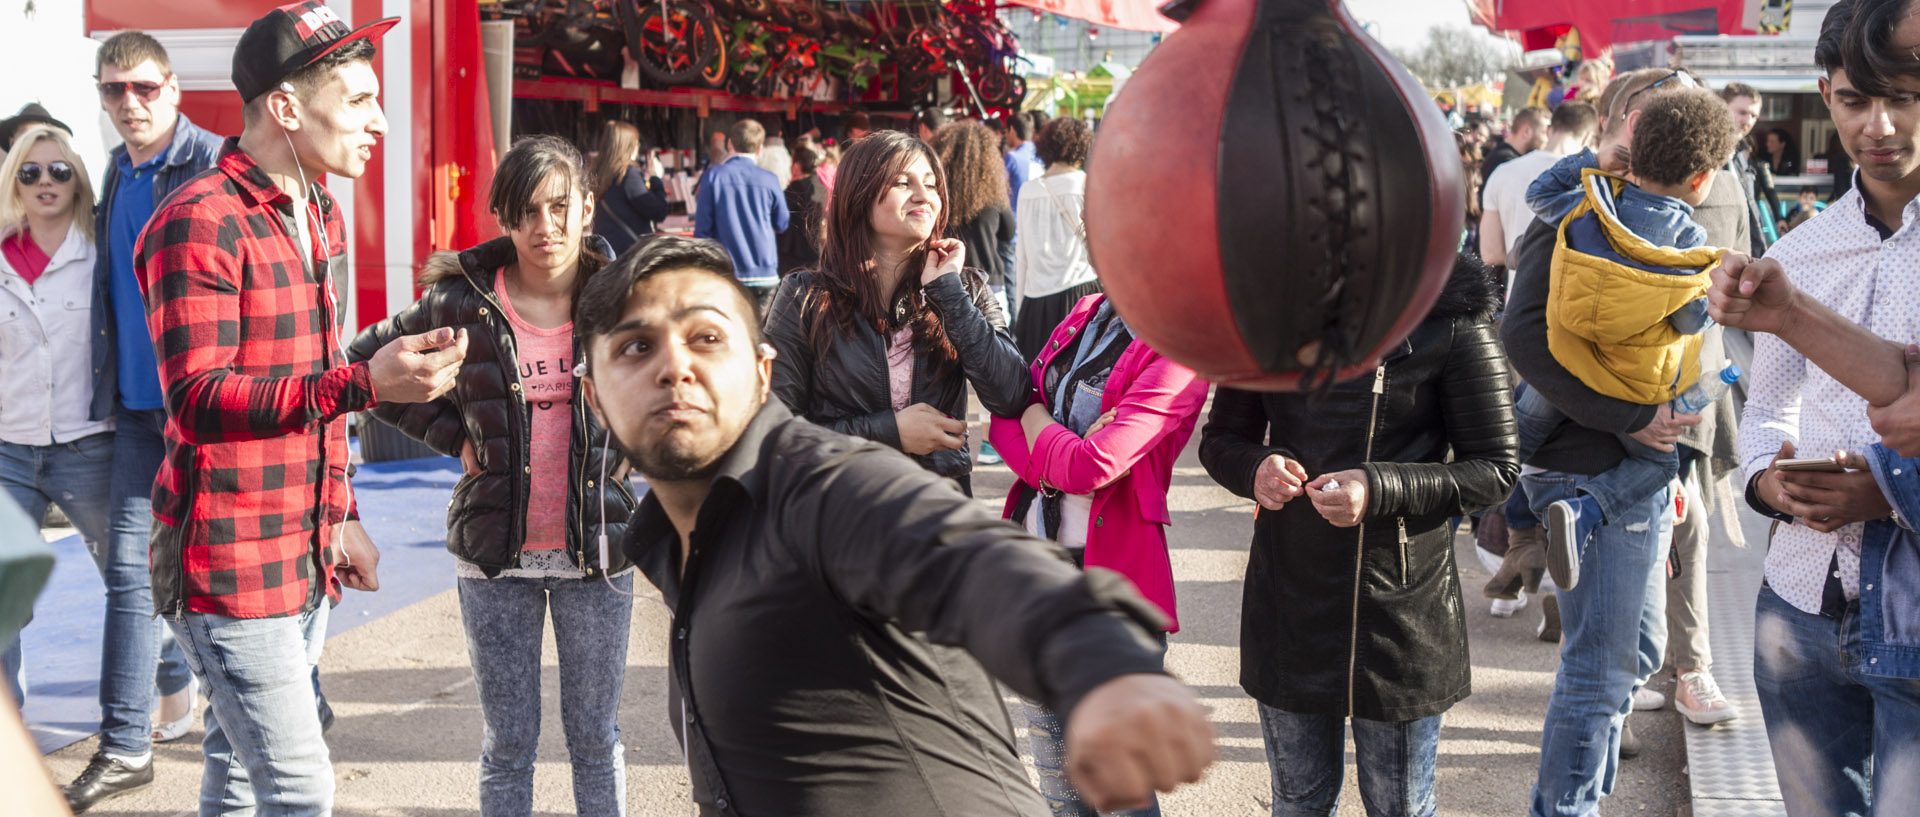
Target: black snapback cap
290 38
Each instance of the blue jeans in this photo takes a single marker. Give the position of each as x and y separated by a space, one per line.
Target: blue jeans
504 618
1613 636
133 639
1305 754
1644 471
1046 736
72 475
263 747
1841 740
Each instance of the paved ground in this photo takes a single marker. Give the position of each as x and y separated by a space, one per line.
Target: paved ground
409 727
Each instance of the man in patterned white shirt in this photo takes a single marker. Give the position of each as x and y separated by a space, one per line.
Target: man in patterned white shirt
1839 679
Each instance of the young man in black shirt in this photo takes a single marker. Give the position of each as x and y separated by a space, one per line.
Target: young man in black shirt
837 608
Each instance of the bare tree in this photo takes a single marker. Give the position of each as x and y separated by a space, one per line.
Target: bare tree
1453 57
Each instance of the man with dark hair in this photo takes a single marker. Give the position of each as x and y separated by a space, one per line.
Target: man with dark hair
741 205
807 208
1743 101
254 525
1022 164
1838 675
1505 214
837 609
1612 641
161 149
858 125
1526 133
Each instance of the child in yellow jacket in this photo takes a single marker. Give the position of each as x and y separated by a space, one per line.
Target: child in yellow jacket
1626 304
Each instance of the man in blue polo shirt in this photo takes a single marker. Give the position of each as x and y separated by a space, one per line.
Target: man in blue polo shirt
742 206
162 150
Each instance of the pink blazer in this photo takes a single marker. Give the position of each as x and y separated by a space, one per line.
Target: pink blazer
1127 466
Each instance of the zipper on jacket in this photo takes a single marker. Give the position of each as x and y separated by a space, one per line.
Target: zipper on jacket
1403 549
1360 545
520 399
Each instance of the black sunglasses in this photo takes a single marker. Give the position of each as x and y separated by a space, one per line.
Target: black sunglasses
60 171
1685 79
113 91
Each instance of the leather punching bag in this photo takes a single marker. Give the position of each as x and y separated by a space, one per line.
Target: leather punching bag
1272 198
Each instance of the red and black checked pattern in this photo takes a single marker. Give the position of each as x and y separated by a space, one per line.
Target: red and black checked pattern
257 391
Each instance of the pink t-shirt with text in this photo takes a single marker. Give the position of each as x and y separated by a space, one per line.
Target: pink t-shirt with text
546 380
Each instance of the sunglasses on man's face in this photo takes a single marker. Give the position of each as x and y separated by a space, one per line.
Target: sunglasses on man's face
60 171
146 91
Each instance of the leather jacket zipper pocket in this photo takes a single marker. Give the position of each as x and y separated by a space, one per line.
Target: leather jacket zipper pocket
1360 546
1402 521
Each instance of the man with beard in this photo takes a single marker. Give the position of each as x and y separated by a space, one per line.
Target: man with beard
837 609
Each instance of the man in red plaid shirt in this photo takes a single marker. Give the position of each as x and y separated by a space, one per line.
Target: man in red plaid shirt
254 519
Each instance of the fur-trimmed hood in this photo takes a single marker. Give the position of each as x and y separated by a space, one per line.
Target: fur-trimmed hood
474 262
1472 291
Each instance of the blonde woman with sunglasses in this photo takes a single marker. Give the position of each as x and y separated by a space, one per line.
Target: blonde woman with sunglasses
49 451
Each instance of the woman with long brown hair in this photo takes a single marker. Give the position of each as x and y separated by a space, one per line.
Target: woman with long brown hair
883 339
978 212
633 200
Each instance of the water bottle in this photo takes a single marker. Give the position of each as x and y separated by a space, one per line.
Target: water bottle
1698 396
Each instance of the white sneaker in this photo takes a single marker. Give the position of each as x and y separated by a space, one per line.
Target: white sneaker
1646 699
1505 608
1698 698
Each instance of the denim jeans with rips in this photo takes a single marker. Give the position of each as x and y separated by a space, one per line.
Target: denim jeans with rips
1613 639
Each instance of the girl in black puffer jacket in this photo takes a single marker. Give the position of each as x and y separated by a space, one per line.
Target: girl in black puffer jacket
882 341
1353 607
527 517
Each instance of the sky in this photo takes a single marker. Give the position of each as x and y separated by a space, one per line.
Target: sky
1404 23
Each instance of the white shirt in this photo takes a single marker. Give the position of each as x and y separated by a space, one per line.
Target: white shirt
1506 193
1839 260
1050 257
46 347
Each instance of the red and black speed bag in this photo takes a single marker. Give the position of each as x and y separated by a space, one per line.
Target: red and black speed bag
1272 199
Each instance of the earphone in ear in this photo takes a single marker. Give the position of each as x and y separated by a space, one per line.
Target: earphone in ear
767 351
287 86
580 369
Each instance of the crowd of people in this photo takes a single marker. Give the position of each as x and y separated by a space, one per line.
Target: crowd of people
1629 339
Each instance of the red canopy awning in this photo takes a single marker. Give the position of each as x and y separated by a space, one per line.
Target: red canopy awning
1601 25
1133 15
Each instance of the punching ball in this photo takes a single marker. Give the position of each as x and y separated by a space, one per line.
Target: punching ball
1273 200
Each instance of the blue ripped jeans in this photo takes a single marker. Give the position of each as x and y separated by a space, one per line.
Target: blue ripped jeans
1614 635
504 619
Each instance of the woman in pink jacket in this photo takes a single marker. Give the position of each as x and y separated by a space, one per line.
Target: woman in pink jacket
1094 452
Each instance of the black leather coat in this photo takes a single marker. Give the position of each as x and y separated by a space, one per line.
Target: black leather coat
848 390
487 519
1384 639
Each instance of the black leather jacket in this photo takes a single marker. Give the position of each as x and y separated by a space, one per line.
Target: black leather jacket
848 391
1384 639
487 519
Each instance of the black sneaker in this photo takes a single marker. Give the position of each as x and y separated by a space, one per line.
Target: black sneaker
104 779
1629 742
